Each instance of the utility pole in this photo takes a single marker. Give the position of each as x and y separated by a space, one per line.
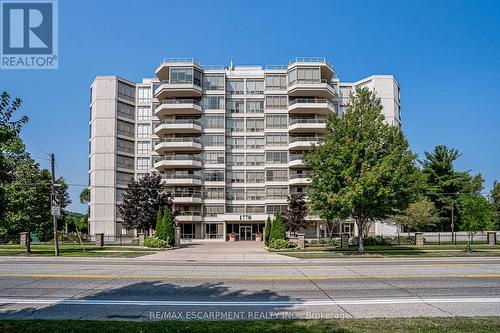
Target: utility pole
53 202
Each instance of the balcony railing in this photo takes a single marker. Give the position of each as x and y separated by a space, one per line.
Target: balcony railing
180 139
305 81
305 138
178 121
294 157
196 82
300 175
188 213
276 67
310 100
180 60
307 121
177 158
310 59
187 194
180 176
180 101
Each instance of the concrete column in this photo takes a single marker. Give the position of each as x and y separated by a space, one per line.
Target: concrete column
25 240
317 229
301 240
344 241
178 236
99 239
419 238
224 231
492 237
142 238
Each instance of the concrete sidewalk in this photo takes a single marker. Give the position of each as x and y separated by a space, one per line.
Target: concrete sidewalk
242 251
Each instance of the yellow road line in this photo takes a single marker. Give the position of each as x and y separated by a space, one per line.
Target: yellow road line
248 278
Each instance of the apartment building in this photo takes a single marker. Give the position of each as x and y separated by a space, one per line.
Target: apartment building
228 141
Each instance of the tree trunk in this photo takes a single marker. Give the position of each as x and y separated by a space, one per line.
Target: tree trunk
361 247
361 236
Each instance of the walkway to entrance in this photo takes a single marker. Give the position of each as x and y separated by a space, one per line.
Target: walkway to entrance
241 251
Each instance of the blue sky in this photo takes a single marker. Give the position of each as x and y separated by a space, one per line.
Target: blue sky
445 55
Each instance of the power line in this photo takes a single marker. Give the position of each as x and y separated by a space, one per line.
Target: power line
35 146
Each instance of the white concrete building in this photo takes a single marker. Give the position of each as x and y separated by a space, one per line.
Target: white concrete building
228 141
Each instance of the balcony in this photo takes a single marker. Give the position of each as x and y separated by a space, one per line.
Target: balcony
177 162
307 125
296 161
162 70
317 88
182 126
326 67
310 106
171 88
181 179
303 142
178 144
187 197
186 216
169 107
299 179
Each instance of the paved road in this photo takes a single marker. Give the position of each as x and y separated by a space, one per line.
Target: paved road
157 289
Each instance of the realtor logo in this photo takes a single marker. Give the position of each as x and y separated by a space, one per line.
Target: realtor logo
29 34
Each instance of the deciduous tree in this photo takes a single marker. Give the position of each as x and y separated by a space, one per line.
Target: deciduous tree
419 214
296 213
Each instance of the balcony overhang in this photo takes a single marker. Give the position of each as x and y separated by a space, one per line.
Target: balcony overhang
181 181
169 109
188 146
183 128
178 90
319 89
186 200
302 145
188 218
300 181
296 164
324 108
177 164
307 128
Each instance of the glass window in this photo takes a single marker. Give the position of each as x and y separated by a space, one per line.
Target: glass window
235 159
235 125
273 209
124 128
214 140
126 91
277 157
213 82
123 178
125 110
276 102
277 192
235 143
235 105
212 211
214 193
277 175
214 230
235 87
181 75
277 139
125 162
143 130
275 82
144 113
255 125
235 176
255 159
215 175
256 194
213 122
144 95
214 157
143 163
276 121
256 209
235 194
255 143
255 176
213 102
235 209
255 86
255 106
125 146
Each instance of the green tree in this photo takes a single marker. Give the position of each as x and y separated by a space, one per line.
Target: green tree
296 212
419 214
475 214
364 168
161 228
495 204
278 227
85 196
168 221
267 230
443 183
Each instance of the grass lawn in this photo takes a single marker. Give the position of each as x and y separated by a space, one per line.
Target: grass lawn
479 250
457 324
75 250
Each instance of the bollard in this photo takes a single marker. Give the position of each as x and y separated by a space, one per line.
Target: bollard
301 241
178 236
99 239
419 239
492 238
142 237
344 241
25 240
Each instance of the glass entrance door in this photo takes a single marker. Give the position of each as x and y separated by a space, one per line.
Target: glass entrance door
245 232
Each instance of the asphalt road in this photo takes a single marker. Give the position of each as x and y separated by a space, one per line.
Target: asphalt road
104 288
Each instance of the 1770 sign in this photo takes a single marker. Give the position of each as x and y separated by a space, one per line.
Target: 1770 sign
245 217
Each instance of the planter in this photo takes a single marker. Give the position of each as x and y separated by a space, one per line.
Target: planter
232 237
258 237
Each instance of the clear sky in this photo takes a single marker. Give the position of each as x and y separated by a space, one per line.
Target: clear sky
445 55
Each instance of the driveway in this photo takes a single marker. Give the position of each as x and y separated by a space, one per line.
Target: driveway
216 251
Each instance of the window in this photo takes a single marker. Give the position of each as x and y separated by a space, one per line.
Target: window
256 194
276 121
235 194
277 193
214 193
124 128
214 230
212 211
235 105
273 209
143 163
126 91
235 143
143 130
188 230
235 124
256 209
125 146
276 157
143 147
213 82
235 159
214 122
255 159
181 75
144 95
213 102
276 140
255 176
123 178
255 143
235 209
235 176
255 86
280 175
125 162
214 157
214 140
304 75
255 124
144 113
255 106
125 110
275 82
213 175
276 102
119 194
235 87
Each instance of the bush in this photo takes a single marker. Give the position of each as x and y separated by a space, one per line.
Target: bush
385 240
155 242
278 230
278 244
